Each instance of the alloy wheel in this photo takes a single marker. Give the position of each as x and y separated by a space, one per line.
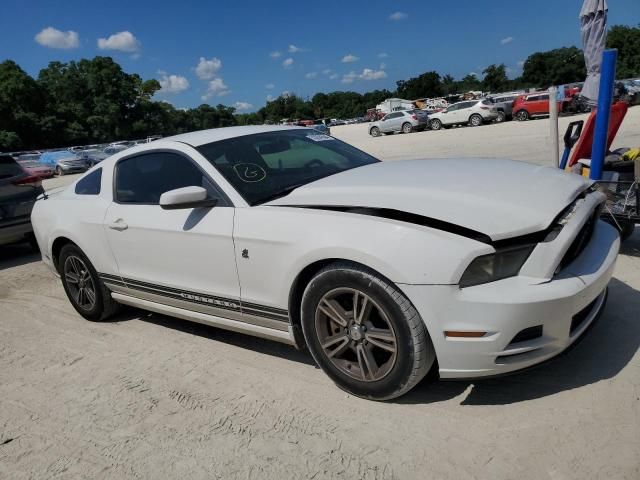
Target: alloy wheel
79 282
355 334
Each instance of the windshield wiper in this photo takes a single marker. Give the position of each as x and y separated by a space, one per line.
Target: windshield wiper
280 193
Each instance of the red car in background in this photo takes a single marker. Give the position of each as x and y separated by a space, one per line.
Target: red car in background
537 103
36 169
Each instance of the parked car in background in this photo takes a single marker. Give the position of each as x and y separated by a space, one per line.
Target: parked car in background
64 162
321 126
34 167
405 121
115 148
532 105
18 192
468 112
504 105
93 156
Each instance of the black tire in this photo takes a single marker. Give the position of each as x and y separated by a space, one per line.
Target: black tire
626 229
374 132
435 124
406 127
59 172
522 115
104 306
501 117
414 353
475 120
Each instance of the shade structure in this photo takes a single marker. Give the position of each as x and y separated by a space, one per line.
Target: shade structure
593 27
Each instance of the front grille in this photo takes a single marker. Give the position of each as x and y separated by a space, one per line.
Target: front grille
581 316
580 242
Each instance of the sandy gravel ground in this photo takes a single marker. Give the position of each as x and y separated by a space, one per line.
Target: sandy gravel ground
147 396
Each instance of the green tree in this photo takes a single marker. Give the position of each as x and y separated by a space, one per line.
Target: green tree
426 85
554 67
627 41
495 78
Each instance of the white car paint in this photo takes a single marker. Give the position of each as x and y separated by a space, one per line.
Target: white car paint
211 262
461 112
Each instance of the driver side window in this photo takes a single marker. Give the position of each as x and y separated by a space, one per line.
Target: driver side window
143 178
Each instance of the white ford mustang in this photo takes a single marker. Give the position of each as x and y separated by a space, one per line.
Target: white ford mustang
383 270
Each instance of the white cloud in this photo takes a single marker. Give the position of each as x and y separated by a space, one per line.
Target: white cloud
506 40
270 98
521 63
216 88
311 75
369 74
242 106
349 77
285 94
275 54
269 86
54 38
207 69
294 49
383 66
333 76
397 16
287 63
383 55
349 58
173 84
121 41
475 74
326 71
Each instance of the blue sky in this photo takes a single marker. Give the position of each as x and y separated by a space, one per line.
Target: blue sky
241 52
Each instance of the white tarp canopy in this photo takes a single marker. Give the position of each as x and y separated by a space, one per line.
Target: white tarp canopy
593 27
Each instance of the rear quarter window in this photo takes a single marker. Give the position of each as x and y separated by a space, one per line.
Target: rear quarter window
90 185
9 167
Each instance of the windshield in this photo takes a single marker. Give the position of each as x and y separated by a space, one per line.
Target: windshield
267 165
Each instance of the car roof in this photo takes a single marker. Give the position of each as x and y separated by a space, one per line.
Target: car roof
202 137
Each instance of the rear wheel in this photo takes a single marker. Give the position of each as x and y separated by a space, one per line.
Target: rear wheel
83 286
364 333
435 124
475 120
374 132
59 171
501 117
522 115
406 127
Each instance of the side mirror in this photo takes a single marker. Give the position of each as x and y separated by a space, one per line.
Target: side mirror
186 197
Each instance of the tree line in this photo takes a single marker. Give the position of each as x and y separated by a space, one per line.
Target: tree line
95 101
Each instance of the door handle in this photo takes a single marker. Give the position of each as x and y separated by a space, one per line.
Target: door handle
118 225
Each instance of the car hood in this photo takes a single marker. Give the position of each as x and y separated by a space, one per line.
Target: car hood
498 198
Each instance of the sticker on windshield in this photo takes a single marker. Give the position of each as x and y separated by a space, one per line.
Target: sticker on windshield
320 137
250 172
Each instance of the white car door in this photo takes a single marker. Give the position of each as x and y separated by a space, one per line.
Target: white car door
449 117
182 257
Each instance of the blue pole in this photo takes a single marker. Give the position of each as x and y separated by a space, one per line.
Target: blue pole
605 98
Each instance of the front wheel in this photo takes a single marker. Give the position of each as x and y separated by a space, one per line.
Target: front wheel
83 286
522 115
59 172
501 117
435 124
374 132
364 333
406 128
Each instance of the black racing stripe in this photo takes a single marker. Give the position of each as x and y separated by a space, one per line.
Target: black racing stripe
107 276
254 309
264 308
177 296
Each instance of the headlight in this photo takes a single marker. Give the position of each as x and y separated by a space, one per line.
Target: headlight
504 263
